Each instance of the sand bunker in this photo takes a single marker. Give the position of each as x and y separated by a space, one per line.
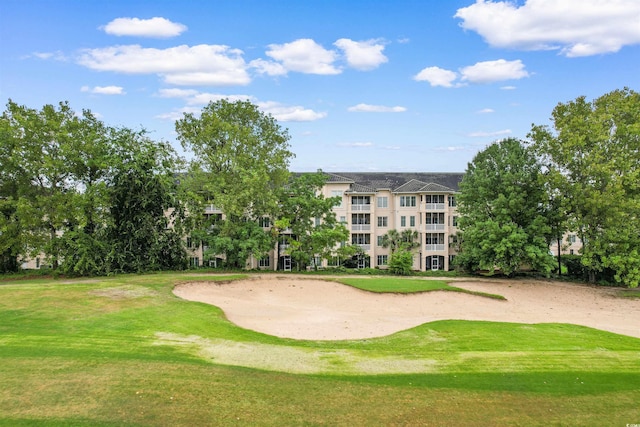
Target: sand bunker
314 309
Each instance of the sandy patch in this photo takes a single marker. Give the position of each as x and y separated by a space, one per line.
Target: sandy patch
315 309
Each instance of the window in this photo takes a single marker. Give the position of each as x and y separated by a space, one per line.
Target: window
194 261
454 221
343 219
361 239
382 221
434 218
403 221
434 238
434 198
264 261
412 221
452 201
571 238
380 238
383 202
407 201
37 262
361 219
360 200
264 222
337 193
318 221
191 244
382 259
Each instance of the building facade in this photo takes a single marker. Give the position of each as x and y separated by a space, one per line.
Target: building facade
371 205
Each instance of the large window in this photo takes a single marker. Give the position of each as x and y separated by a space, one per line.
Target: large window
382 221
264 261
434 238
360 219
383 201
412 221
434 198
382 259
360 200
380 239
361 239
407 201
452 201
337 193
403 221
264 222
434 218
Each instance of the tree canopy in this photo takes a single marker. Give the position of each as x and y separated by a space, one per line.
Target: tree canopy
592 157
503 211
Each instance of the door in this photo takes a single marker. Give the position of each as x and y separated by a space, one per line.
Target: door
435 263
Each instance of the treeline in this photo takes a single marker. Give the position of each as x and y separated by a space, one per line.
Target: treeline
96 199
91 199
580 175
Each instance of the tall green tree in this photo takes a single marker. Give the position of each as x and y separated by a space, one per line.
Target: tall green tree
41 146
592 154
503 211
241 160
145 228
310 217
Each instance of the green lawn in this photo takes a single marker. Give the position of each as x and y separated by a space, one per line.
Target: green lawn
126 351
405 285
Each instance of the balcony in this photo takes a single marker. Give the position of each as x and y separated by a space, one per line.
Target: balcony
360 208
435 248
211 209
365 247
361 227
433 206
435 227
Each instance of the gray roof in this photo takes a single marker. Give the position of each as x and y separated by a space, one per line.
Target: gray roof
398 182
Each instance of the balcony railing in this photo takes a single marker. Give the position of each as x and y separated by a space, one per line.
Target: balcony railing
365 247
361 227
433 206
435 248
361 208
212 209
436 227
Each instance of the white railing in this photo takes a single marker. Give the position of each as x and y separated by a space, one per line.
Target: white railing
432 227
366 247
434 248
212 209
361 208
361 227
433 206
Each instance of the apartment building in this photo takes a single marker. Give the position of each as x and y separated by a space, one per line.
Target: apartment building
371 205
374 203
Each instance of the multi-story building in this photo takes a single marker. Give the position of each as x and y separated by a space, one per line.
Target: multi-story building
374 203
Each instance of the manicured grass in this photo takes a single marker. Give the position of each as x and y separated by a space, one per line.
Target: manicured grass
126 351
405 285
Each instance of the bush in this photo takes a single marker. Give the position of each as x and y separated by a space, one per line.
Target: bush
400 262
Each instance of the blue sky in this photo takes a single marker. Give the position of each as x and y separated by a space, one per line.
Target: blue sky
395 85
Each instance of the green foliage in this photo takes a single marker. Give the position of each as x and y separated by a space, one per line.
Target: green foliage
139 235
504 217
241 159
592 154
400 262
309 216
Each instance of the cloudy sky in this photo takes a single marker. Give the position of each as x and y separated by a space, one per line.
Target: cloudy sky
361 85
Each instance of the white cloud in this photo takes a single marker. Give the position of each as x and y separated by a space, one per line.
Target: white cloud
56 56
155 27
364 55
104 90
285 113
575 27
367 108
437 76
493 71
481 134
270 68
176 93
178 114
486 111
508 88
304 56
215 65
